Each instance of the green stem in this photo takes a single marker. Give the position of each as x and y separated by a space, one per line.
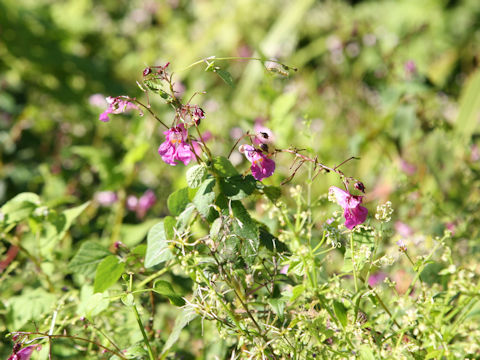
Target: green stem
353 261
213 58
144 334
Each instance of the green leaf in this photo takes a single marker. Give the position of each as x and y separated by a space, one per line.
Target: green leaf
467 120
273 193
278 307
133 234
178 201
340 312
136 351
108 272
128 299
223 167
185 317
184 218
204 197
157 246
238 187
91 304
225 75
271 242
246 228
19 207
365 353
70 216
30 305
195 176
88 257
169 223
164 288
215 228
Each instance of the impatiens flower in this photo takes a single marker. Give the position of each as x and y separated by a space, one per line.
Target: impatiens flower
262 166
175 146
117 105
352 211
25 353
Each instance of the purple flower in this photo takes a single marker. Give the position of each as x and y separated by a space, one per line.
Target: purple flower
25 353
410 67
106 198
117 105
175 147
352 211
262 166
401 245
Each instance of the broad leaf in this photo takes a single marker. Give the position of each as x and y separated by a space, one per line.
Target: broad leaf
204 197
195 176
88 257
164 288
237 187
185 317
157 246
224 167
178 201
108 272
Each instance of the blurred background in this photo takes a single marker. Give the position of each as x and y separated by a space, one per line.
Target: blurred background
392 82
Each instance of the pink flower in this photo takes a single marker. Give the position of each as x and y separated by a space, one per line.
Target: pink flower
376 278
175 147
352 211
25 353
117 105
142 205
403 229
106 198
262 166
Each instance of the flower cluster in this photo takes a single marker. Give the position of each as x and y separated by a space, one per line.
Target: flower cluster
352 211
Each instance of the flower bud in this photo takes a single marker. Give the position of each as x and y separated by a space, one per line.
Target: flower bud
147 71
359 186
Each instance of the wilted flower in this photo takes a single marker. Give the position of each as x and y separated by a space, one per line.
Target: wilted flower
352 211
25 353
262 166
175 147
117 105
106 198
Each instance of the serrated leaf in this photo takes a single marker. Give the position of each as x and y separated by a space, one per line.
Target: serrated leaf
273 193
204 197
19 207
226 76
108 272
185 317
178 201
164 288
340 312
88 257
195 176
135 351
223 167
157 246
238 187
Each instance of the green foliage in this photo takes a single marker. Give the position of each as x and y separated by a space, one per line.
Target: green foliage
239 268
